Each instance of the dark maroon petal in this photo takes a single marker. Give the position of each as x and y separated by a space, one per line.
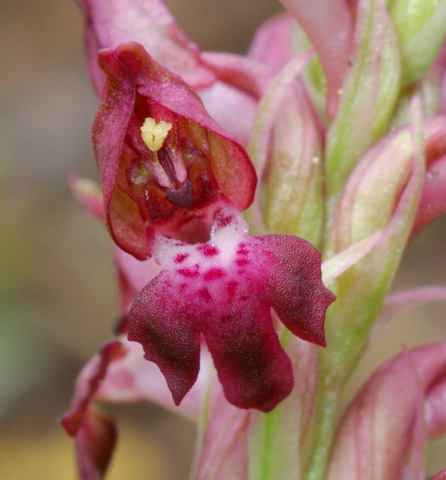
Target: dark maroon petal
110 125
95 434
161 322
126 225
252 367
87 384
95 443
109 130
294 286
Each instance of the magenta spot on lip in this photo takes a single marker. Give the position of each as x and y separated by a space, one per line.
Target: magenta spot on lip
214 274
204 293
183 287
191 272
222 221
231 288
208 250
242 250
180 257
241 262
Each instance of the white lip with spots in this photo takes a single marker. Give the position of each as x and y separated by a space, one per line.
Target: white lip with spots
214 270
225 239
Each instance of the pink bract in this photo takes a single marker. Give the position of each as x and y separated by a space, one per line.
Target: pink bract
381 424
433 196
329 26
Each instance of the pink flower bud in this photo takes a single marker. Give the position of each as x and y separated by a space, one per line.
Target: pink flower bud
377 429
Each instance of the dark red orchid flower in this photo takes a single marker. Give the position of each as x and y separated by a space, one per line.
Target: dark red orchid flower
166 166
224 290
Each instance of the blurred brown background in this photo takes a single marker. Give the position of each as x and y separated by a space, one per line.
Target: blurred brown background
57 284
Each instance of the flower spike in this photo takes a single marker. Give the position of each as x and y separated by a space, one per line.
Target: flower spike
225 289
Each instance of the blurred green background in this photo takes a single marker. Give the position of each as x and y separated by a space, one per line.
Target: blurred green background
57 285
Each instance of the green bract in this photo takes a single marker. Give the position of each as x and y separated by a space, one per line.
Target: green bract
421 27
368 95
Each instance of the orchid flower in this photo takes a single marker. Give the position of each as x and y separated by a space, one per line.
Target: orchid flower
330 137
